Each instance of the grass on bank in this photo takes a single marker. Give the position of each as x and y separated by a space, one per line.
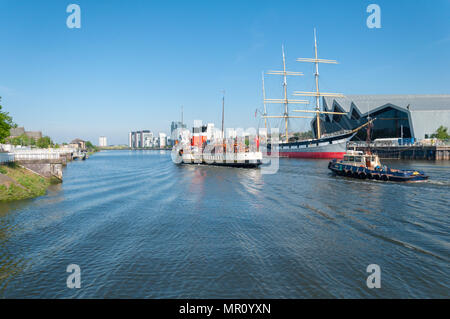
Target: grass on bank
20 183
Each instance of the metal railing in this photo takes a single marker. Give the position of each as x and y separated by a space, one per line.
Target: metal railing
38 154
21 154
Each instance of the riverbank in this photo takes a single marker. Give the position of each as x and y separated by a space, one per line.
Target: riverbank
17 182
126 148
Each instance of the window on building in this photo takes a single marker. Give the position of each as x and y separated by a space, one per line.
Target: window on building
355 115
390 123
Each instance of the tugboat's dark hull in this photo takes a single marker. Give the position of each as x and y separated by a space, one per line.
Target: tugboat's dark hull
381 174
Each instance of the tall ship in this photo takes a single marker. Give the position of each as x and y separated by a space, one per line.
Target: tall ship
324 145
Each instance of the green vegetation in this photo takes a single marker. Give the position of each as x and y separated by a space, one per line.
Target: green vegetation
44 142
23 140
91 148
18 183
6 123
441 133
115 147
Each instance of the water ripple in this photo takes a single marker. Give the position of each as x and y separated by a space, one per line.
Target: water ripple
140 226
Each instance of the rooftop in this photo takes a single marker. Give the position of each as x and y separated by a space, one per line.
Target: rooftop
364 103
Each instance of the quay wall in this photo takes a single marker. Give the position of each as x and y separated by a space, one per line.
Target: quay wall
46 168
431 153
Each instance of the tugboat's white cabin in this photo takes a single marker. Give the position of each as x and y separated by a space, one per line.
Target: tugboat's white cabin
358 158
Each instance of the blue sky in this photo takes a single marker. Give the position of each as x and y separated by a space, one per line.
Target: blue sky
134 63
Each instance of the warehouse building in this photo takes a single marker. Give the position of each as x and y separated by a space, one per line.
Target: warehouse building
397 116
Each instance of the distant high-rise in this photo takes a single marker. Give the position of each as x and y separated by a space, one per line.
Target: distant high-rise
175 130
141 139
176 125
147 138
162 139
102 141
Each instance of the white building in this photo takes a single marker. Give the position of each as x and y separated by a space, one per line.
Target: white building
147 139
102 141
141 139
162 139
130 139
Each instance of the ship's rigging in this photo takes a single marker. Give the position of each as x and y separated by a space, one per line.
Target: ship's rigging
317 94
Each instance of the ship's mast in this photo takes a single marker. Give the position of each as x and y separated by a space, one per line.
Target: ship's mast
317 86
317 94
223 115
286 114
264 101
285 100
182 116
369 133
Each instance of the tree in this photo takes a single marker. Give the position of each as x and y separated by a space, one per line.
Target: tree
6 123
441 133
23 140
44 142
91 147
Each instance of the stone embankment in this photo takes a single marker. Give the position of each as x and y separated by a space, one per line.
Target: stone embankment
28 173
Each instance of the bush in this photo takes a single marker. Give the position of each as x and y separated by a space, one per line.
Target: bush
6 123
44 142
441 133
23 140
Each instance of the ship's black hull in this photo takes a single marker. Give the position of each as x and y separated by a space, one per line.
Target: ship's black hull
381 174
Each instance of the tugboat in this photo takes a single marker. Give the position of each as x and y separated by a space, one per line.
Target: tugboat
365 165
358 164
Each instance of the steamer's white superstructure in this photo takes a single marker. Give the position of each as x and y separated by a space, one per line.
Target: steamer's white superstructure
237 151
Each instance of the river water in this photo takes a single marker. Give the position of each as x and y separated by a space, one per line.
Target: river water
139 226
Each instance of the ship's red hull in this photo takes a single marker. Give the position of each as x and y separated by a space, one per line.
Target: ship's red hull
326 148
317 155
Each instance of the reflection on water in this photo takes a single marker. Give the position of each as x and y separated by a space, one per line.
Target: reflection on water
140 226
